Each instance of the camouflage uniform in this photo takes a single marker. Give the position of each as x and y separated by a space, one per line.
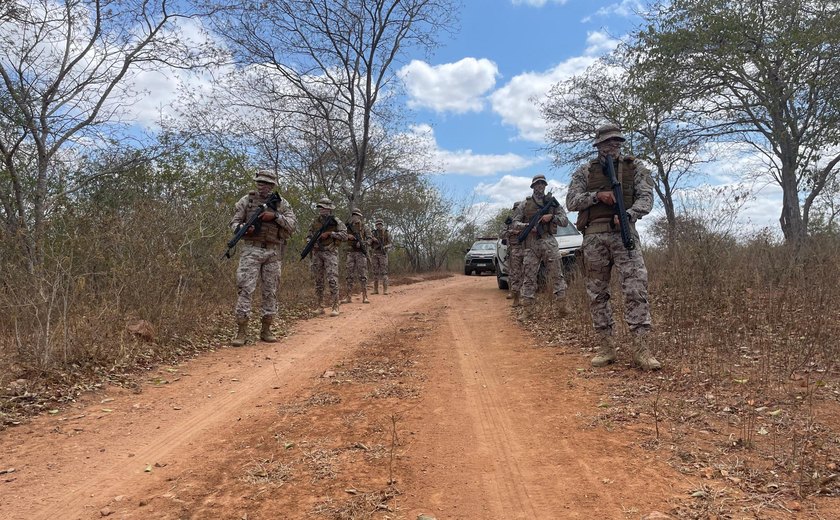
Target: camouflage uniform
356 260
540 247
603 247
261 256
515 256
380 245
325 255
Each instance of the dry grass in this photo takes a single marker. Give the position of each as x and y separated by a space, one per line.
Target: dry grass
749 397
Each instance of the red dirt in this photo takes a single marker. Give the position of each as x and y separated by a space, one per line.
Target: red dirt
436 386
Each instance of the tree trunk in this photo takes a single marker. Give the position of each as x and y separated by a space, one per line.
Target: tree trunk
791 220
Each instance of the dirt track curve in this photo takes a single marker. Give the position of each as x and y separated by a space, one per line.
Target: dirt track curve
499 430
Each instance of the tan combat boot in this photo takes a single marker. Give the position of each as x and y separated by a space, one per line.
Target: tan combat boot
385 287
242 329
375 287
364 295
265 333
335 311
516 302
348 298
642 356
605 354
320 308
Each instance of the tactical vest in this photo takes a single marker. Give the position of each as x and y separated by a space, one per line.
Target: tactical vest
598 181
270 232
531 209
383 240
353 245
327 244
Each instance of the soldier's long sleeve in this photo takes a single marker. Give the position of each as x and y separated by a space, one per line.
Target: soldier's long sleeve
240 211
341 231
643 187
286 217
578 198
560 217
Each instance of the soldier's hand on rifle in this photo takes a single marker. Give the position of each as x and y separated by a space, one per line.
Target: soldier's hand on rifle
326 234
545 219
268 216
607 197
250 231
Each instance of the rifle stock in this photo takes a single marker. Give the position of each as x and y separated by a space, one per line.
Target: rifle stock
620 210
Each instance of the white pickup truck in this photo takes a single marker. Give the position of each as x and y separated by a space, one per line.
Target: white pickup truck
568 239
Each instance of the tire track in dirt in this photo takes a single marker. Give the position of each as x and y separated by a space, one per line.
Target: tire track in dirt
519 427
276 370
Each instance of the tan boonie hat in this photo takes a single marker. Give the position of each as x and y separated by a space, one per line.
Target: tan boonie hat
325 203
380 221
266 176
357 211
538 178
516 204
606 132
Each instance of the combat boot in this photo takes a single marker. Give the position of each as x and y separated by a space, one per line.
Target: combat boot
265 333
384 287
364 295
516 302
320 303
241 331
605 354
642 356
375 287
348 298
335 311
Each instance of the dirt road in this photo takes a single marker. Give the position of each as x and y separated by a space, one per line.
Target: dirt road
430 400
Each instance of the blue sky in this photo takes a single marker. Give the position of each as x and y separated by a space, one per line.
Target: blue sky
474 98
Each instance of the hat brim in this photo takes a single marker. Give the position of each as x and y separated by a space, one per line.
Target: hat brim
606 137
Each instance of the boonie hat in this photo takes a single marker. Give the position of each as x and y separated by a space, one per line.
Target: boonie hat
325 203
266 176
379 221
606 132
357 211
538 178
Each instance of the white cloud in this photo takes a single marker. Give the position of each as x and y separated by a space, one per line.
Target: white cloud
511 188
599 42
458 87
537 3
515 102
467 162
625 8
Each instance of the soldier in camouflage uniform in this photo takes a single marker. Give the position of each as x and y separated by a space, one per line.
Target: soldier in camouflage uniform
515 255
356 260
590 193
380 242
540 245
325 254
261 255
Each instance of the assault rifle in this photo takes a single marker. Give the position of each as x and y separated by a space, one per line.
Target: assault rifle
358 238
254 221
550 203
620 210
317 236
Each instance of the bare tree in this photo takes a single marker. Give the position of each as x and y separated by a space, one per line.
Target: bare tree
336 60
763 72
65 73
657 126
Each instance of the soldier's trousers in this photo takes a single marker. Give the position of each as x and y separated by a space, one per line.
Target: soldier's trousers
379 263
546 251
602 251
257 263
516 256
356 266
325 268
